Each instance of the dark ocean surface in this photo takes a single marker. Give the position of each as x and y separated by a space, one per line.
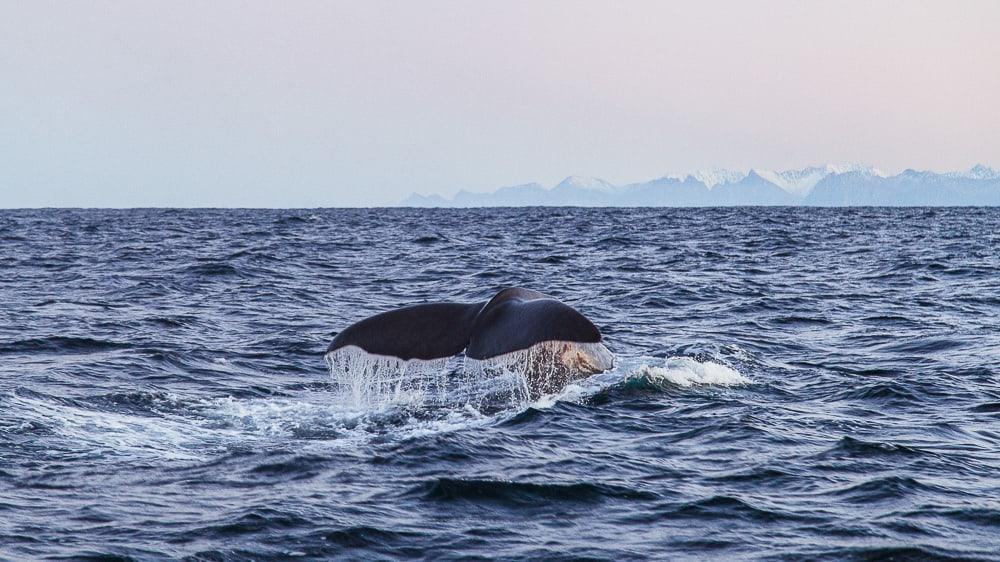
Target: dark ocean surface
792 384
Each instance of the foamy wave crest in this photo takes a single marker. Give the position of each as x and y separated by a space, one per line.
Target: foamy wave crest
685 371
679 371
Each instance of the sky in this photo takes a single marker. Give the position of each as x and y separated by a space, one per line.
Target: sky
302 104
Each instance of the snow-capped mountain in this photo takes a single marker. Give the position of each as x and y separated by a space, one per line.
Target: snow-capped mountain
796 182
828 185
711 177
801 182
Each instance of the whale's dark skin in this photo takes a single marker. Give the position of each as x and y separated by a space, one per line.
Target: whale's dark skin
514 319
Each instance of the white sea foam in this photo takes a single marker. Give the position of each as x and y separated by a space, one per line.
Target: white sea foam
686 372
321 420
577 392
376 397
680 371
194 430
97 431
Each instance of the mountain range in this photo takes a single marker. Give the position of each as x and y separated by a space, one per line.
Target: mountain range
827 186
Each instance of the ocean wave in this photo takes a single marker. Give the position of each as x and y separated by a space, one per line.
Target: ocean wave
849 447
513 493
366 536
687 372
884 488
211 269
60 344
736 509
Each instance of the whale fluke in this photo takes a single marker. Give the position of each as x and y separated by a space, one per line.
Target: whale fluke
516 319
423 331
547 337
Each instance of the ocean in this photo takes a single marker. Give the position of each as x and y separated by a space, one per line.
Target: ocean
791 384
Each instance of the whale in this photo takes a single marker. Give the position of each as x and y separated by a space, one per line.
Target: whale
518 330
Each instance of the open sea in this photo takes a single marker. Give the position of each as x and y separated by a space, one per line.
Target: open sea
791 384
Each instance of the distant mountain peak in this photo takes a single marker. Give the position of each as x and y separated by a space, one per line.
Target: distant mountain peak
981 172
913 173
711 177
418 200
801 182
585 183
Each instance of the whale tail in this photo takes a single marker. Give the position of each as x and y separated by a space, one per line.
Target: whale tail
516 327
423 331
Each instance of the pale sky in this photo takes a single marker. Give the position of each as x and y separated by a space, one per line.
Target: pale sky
289 104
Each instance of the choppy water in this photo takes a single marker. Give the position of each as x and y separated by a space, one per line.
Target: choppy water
792 384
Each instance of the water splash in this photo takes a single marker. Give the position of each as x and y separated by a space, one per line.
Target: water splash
509 380
542 369
370 381
378 396
685 371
